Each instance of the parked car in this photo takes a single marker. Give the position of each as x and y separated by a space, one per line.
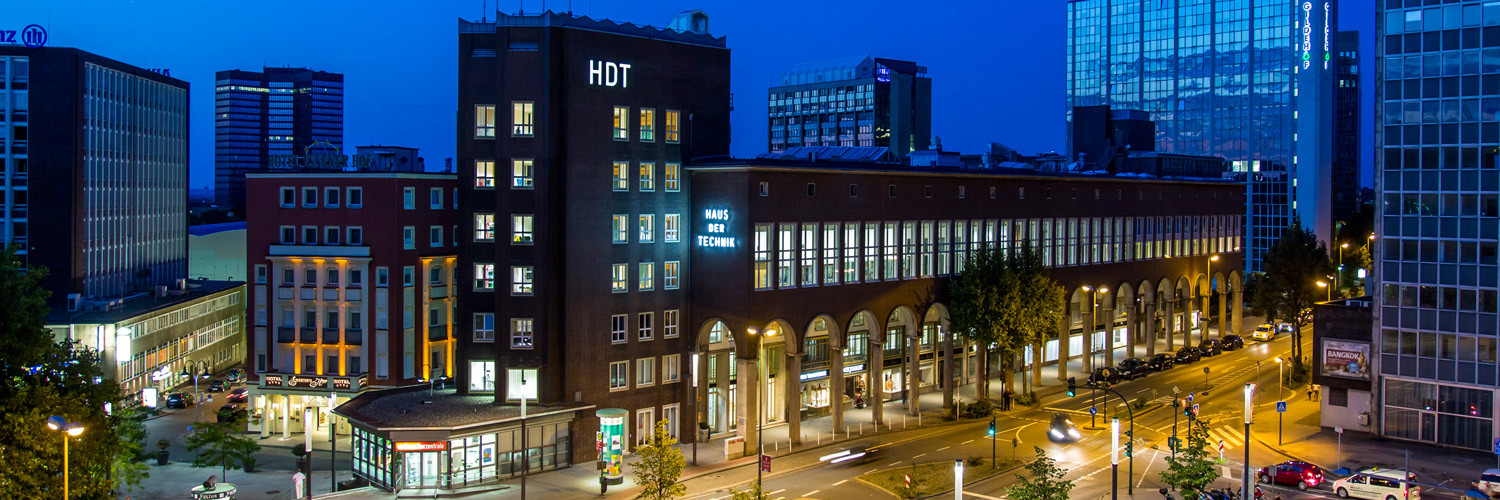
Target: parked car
1187 355
179 400
1161 362
1378 484
1264 333
1132 368
233 376
1232 342
216 385
1062 430
1104 375
1303 475
241 395
230 413
1489 483
1211 347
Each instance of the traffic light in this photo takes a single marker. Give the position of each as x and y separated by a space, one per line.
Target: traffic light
1072 387
1129 443
992 428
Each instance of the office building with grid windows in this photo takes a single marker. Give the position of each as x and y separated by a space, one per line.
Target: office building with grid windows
1347 159
853 102
273 112
1436 236
1246 81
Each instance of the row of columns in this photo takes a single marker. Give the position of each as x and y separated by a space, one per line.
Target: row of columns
1159 310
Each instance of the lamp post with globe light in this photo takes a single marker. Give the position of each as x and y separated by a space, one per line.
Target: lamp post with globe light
197 370
760 397
69 430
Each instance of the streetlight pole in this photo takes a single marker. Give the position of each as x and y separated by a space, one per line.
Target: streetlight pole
525 454
68 429
1341 265
1094 323
760 424
1210 293
1130 485
1280 376
1114 459
1249 406
1324 286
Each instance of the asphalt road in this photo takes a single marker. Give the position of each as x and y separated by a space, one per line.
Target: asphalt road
174 425
1086 460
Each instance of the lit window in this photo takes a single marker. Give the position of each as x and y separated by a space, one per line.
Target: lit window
669 277
673 125
671 368
672 177
619 375
617 329
648 226
622 176
621 228
520 229
484 327
669 323
622 123
520 333
618 278
484 276
643 326
522 124
520 280
484 227
671 230
484 173
648 177
521 174
648 125
484 121
647 277
521 383
762 255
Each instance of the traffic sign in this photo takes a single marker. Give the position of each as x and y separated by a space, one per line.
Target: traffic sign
1195 409
1497 446
1093 411
1221 446
1172 442
765 464
1205 370
1339 430
1174 390
1190 397
1281 407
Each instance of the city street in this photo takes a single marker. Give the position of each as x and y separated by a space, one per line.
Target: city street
275 454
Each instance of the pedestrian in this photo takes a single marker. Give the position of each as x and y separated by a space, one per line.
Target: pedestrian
1309 393
1005 400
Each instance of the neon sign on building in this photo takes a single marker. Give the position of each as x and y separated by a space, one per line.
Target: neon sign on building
1306 35
717 226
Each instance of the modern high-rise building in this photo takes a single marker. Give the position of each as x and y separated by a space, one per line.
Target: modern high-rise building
96 178
853 102
273 112
1346 125
1248 83
1436 173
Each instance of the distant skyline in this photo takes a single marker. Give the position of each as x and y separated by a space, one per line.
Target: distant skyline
997 67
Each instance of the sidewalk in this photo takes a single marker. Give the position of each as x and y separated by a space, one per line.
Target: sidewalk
174 480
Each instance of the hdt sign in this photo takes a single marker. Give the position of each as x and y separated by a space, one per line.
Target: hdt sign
609 74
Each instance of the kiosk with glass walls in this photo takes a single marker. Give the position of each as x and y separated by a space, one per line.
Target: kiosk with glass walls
611 443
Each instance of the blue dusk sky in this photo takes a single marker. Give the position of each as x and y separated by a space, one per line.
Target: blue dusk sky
997 66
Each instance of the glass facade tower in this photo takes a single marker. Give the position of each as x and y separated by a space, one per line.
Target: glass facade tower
1239 79
1439 221
273 112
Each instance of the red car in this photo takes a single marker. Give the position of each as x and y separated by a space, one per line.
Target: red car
240 395
1302 474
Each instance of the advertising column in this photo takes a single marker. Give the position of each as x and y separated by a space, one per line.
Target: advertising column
611 444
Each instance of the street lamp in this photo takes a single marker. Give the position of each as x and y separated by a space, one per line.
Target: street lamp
1324 285
1341 265
68 429
192 370
1249 406
1114 458
760 424
1094 322
1211 261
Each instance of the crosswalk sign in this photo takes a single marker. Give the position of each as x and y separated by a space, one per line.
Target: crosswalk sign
1093 411
1281 407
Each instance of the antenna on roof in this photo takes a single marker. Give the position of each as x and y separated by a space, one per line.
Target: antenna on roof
484 6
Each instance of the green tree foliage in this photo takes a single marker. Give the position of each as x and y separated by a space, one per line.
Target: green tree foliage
660 465
1007 300
128 467
1293 268
1046 481
40 378
751 492
1192 469
221 444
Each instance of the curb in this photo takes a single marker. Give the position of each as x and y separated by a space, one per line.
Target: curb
976 481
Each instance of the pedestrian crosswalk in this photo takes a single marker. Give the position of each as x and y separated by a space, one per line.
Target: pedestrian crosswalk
1228 436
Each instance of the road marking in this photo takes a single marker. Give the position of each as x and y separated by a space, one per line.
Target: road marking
811 493
892 464
841 482
777 491
967 442
919 456
944 448
873 470
976 495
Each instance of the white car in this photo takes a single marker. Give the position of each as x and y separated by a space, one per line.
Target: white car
1378 484
1284 327
1489 483
1264 333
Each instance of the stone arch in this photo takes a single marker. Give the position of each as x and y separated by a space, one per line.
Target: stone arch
828 328
713 332
902 316
716 349
864 321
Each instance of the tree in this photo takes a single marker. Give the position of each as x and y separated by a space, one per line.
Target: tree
39 378
1293 268
1006 300
1192 469
128 469
660 466
1046 481
220 444
751 492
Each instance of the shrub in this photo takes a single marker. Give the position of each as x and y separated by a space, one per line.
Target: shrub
1140 402
976 460
299 450
978 409
1027 399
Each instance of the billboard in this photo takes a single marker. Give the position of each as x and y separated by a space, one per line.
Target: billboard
1342 358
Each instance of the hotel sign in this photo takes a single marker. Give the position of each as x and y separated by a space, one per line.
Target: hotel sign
314 382
1306 35
717 220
